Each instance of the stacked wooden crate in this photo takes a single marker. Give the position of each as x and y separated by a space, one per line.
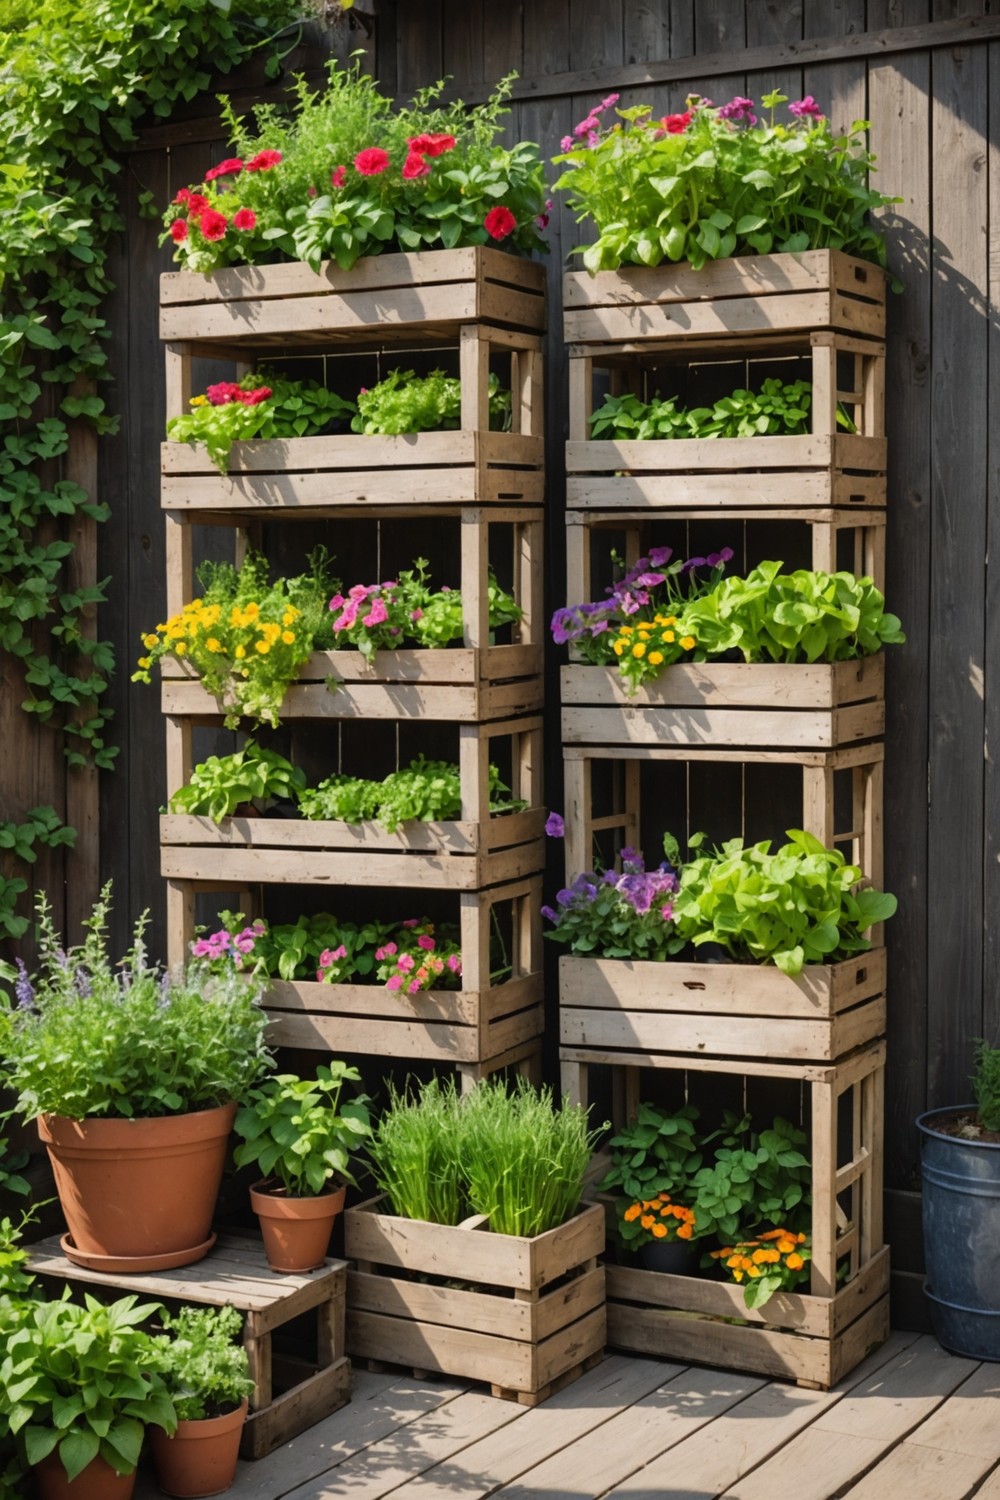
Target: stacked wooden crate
490 308
821 1033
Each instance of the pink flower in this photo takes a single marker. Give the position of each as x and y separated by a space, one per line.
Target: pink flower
222 393
412 922
213 225
414 986
338 177
263 161
227 168
394 982
337 602
389 950
371 161
431 145
425 942
255 397
666 911
406 962
567 143
178 231
499 222
244 218
377 615
415 166
196 204
311 191
454 963
677 124
182 195
806 106
416 614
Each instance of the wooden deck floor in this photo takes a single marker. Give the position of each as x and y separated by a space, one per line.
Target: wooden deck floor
911 1423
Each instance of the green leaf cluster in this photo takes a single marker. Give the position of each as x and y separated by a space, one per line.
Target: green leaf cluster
655 1153
405 402
295 408
220 784
205 1373
295 1130
986 1085
291 950
755 1178
778 407
42 826
426 791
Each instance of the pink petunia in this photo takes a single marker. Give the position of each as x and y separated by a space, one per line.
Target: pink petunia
338 177
371 161
415 166
244 218
178 231
425 942
394 982
406 962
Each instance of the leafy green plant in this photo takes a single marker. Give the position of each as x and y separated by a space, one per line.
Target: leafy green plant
260 407
295 1130
222 783
10 1164
711 182
89 1039
779 407
42 826
78 1380
348 173
630 915
416 1154
755 1178
655 1153
342 798
405 402
776 1261
986 1085
205 1373
425 791
246 637
799 905
383 616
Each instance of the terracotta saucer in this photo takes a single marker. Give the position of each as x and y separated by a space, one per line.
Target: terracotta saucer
135 1264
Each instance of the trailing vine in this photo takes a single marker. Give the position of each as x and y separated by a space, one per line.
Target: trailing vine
75 81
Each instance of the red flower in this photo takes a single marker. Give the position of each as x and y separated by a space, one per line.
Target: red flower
338 177
415 166
263 161
196 204
311 191
223 393
183 195
677 124
178 231
499 222
255 397
226 168
432 145
371 161
244 218
213 225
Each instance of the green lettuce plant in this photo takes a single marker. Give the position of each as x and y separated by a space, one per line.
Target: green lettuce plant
778 407
426 791
405 402
222 783
261 407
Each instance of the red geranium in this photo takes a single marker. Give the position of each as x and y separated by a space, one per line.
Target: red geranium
213 225
415 166
432 145
244 218
263 161
499 222
226 168
255 397
223 393
371 161
183 195
338 177
196 205
677 124
178 231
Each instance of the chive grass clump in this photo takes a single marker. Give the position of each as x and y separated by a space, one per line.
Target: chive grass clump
415 1155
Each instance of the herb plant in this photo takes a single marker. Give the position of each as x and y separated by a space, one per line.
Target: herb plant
405 402
425 791
89 1039
205 1372
350 174
416 1154
710 182
754 1178
779 407
296 1131
222 783
986 1085
246 637
260 407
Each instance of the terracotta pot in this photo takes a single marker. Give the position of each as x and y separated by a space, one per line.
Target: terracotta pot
97 1482
200 1458
296 1230
140 1191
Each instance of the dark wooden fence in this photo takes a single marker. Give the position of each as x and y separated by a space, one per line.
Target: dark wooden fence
924 74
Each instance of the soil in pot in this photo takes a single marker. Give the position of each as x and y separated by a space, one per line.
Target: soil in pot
139 1190
296 1230
200 1458
97 1482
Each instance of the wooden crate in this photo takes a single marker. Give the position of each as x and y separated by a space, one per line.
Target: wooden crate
813 1338
529 1315
236 1274
752 298
726 1009
384 297
816 812
728 703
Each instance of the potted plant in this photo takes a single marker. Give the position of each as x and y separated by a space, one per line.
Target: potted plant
77 1390
207 1376
960 1166
134 1076
478 1259
654 1161
298 1134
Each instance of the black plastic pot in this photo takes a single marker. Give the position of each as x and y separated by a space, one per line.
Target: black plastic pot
961 1206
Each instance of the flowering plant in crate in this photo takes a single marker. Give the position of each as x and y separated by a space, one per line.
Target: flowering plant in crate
260 407
774 1261
626 915
246 637
654 1162
349 173
714 181
421 957
406 402
407 610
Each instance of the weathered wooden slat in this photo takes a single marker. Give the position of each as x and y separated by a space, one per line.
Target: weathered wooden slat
436 450
732 685
634 724
728 455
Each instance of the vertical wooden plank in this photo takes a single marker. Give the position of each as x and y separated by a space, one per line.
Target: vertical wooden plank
767 22
823 1152
645 31
839 88
959 414
419 45
503 49
475 565
595 37
462 44
991 859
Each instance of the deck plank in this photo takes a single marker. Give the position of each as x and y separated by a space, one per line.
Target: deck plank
585 1406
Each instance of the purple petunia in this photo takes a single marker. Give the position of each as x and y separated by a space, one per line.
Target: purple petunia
739 110
806 107
555 827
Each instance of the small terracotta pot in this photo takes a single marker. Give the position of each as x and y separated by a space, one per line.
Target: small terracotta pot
97 1482
200 1458
296 1230
139 1190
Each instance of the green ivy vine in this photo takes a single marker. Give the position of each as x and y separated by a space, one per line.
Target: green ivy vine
76 79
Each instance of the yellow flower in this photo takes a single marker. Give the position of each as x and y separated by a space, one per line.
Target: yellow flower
288 638
639 649
213 644
145 661
149 641
795 1262
180 648
251 611
240 652
688 642
263 647
668 637
236 616
656 658
659 1231
619 647
198 401
290 616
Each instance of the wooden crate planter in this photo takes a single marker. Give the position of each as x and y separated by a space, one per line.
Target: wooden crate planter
529 1316
380 298
726 1009
815 1337
727 703
750 298
236 1274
